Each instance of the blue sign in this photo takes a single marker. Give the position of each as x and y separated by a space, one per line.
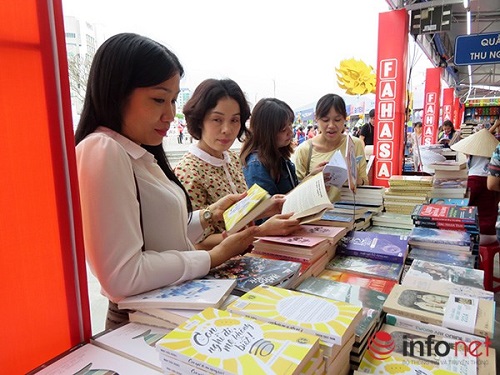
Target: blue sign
477 49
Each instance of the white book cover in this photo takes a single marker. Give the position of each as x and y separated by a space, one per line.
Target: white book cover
133 341
176 316
90 359
193 294
336 170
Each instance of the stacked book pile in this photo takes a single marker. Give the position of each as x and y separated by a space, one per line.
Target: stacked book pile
333 322
333 219
446 228
221 342
405 192
365 195
361 213
435 321
313 246
392 220
450 179
466 129
371 302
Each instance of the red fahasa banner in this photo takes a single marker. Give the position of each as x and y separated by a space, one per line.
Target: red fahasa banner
448 108
391 94
431 105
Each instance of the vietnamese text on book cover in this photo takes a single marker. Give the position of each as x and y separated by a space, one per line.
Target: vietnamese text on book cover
379 246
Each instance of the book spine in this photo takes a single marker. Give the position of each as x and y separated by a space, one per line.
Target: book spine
181 359
369 255
470 228
413 314
175 367
430 329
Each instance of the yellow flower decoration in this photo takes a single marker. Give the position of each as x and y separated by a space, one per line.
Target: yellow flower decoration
356 77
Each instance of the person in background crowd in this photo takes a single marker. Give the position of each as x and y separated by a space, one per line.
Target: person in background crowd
265 154
135 212
447 133
216 115
367 131
315 153
415 142
301 136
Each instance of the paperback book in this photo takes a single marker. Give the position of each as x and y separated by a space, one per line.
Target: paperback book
380 285
219 342
192 294
465 314
335 170
444 212
332 321
334 219
150 320
452 258
133 341
440 239
369 300
247 209
378 246
367 267
288 246
437 277
248 272
330 232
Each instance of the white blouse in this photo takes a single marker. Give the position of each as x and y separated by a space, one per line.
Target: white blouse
106 164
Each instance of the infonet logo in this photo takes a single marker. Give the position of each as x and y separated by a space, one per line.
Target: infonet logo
382 344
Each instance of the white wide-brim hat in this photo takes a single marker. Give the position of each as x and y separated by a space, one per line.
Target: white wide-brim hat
481 143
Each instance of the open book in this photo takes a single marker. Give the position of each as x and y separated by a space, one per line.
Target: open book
247 210
342 168
308 200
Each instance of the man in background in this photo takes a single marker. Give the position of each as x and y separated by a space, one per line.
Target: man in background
368 130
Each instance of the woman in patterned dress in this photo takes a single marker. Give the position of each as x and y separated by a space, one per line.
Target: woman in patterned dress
216 115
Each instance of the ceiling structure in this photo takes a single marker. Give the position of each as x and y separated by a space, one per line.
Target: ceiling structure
469 81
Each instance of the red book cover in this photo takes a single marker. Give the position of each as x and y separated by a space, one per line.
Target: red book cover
379 285
445 212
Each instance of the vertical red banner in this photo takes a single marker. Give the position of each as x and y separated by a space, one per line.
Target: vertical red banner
458 113
430 119
448 105
390 98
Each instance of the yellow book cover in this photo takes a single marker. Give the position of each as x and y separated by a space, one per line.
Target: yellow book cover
217 341
334 322
398 180
246 210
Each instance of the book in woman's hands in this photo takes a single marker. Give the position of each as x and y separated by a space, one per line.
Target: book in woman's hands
192 294
336 170
243 212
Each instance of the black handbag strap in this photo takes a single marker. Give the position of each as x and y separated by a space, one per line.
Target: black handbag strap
140 211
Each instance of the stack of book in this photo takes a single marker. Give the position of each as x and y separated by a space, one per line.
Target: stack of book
333 322
171 305
362 213
466 130
370 301
450 179
220 342
313 246
406 191
249 271
365 195
359 279
333 219
392 220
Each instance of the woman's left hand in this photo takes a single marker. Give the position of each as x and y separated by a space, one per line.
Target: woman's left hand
223 204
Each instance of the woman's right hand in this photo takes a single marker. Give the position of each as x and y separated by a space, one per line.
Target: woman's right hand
233 245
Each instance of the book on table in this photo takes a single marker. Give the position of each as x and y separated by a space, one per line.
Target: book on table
91 359
193 294
466 314
405 180
378 246
248 272
330 232
140 317
334 322
453 258
448 165
444 212
220 342
380 285
333 219
367 267
369 300
435 277
440 239
133 341
453 201
246 210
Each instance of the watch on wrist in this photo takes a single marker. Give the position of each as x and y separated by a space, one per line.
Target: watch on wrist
207 215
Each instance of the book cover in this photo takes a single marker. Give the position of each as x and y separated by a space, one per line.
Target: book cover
330 232
369 300
447 257
308 200
150 320
380 285
334 219
379 246
192 294
366 266
433 238
352 164
295 240
220 342
430 307
448 165
335 171
249 272
91 359
404 180
133 341
436 277
332 321
443 212
247 209
300 253
464 227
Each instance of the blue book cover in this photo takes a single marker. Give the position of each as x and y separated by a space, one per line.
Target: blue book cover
371 268
446 257
379 246
455 201
440 239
